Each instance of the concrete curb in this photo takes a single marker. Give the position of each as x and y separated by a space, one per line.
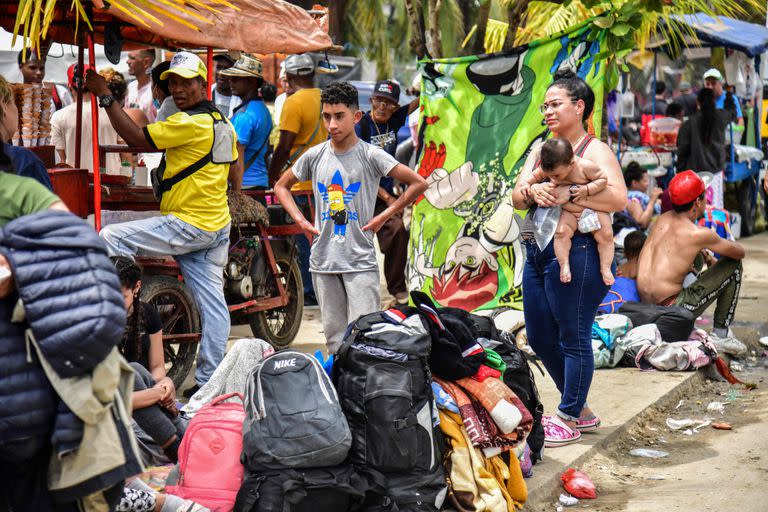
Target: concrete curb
547 491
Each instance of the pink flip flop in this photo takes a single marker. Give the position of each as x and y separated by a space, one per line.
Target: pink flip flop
588 425
557 433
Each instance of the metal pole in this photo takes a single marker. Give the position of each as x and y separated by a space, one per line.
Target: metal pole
757 113
653 92
209 63
79 113
621 114
95 141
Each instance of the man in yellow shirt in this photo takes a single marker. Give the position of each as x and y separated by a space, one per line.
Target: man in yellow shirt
300 124
300 129
199 144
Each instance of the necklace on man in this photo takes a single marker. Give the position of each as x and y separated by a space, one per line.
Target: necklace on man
382 141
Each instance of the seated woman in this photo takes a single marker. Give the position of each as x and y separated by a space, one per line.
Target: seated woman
160 427
640 206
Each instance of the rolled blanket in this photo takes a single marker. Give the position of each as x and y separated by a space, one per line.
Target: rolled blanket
480 427
506 409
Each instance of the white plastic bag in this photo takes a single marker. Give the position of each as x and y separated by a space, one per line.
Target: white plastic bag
545 224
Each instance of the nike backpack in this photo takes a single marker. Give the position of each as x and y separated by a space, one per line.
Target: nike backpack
292 415
385 390
209 470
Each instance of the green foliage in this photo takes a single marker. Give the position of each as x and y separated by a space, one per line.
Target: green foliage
629 25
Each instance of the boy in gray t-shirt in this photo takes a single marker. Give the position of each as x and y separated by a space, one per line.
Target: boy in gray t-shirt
345 174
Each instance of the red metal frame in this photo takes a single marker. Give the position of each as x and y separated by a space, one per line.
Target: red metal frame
209 65
95 140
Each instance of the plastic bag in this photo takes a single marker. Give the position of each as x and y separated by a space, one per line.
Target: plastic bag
589 222
545 224
578 484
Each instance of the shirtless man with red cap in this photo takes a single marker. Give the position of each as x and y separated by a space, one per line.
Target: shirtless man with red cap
671 248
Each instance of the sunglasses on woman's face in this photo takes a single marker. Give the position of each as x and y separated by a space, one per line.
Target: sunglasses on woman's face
554 105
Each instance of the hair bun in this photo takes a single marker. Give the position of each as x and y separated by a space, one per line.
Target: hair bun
564 74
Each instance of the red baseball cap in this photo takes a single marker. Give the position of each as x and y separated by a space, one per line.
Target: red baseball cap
71 73
685 187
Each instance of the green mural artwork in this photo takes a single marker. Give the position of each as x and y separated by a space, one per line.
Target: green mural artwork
480 120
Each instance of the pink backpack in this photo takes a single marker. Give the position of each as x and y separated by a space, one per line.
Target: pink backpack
210 471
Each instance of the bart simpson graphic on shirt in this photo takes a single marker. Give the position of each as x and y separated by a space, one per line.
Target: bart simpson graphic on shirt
338 198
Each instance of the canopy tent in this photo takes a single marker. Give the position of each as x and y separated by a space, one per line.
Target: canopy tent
719 32
256 26
748 38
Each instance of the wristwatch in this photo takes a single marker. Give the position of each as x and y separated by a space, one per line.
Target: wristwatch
106 101
571 190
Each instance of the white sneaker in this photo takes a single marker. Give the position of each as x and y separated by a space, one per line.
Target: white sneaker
728 345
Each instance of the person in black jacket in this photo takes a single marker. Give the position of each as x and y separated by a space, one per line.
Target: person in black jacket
74 330
701 139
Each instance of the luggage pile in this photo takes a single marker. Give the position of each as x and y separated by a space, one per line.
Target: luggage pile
380 434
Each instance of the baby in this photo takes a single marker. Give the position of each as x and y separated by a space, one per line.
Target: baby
559 165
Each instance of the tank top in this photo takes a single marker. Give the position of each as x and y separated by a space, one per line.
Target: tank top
527 229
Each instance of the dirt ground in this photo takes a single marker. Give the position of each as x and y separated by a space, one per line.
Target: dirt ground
707 470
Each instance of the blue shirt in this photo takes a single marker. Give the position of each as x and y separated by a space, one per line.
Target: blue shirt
253 124
26 163
720 103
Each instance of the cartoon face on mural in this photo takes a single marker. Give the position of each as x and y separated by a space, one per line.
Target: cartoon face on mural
487 125
338 200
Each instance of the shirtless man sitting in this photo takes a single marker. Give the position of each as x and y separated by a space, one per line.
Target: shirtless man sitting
670 250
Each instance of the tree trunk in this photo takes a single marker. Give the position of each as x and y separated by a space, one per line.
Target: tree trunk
337 11
418 46
483 12
434 28
515 18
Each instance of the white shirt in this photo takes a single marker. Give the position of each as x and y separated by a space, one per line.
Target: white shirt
64 96
279 102
64 130
141 99
225 104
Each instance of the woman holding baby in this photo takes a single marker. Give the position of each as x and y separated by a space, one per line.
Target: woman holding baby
559 315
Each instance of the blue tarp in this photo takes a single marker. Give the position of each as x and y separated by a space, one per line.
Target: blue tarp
745 37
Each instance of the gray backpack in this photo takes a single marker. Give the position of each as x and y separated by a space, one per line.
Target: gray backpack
292 415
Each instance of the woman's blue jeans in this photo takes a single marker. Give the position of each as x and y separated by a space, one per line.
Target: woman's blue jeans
559 317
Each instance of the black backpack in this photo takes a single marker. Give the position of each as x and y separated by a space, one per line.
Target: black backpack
675 323
385 390
331 489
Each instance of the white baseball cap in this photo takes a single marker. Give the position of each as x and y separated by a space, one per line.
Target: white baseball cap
301 65
713 73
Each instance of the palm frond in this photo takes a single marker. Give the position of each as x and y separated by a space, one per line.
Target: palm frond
366 33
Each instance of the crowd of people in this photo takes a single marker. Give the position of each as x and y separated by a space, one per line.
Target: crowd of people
247 137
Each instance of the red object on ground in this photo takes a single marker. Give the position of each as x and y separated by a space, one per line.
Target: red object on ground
725 372
578 484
